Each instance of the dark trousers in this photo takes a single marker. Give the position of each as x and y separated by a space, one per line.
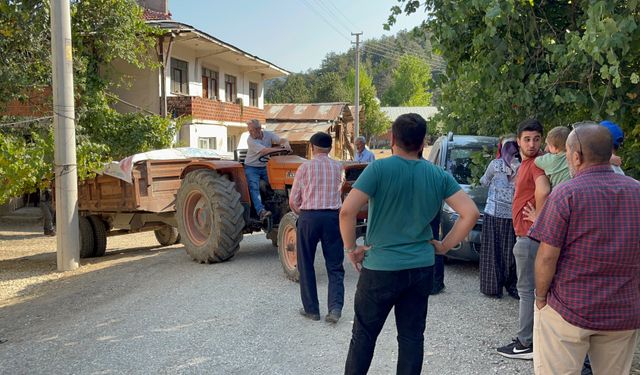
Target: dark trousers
378 291
48 216
320 226
438 267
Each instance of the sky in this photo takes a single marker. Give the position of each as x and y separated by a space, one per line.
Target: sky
293 34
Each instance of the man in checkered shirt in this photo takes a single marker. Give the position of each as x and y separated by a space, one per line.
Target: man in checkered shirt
316 197
587 270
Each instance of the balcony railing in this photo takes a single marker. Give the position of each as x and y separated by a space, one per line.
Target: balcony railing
210 109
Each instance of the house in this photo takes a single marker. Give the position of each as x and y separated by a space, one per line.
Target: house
298 122
384 140
216 84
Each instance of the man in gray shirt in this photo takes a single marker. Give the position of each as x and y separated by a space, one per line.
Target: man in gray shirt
259 143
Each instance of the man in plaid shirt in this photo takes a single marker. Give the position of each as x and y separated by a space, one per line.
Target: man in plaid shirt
587 270
316 197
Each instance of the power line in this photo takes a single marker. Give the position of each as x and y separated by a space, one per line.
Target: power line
325 20
392 48
331 13
397 56
17 123
381 54
339 12
425 57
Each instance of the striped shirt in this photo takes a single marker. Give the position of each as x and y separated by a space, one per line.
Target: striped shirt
593 219
318 184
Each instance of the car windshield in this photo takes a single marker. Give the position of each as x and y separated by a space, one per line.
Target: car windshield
459 163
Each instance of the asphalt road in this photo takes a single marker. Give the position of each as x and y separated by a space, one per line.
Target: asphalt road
163 313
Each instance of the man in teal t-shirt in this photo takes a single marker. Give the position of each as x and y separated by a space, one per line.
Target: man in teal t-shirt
396 227
396 265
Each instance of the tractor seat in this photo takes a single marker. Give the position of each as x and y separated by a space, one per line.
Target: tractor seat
240 154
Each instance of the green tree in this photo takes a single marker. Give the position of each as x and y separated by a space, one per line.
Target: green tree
330 88
375 121
410 81
561 62
378 57
102 31
292 90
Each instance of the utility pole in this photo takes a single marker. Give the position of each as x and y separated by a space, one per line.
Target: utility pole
356 117
68 241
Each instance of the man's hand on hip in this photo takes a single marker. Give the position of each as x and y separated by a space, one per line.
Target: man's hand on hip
357 256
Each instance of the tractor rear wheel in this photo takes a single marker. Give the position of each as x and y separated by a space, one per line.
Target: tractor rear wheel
167 235
210 216
99 235
87 248
287 246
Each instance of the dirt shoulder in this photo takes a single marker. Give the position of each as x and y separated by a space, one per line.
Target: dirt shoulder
28 260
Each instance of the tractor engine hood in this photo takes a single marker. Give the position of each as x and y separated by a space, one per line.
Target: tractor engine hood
282 170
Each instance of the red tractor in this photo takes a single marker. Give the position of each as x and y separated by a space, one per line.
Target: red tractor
202 202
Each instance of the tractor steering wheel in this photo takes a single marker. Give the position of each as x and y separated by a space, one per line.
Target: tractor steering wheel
265 158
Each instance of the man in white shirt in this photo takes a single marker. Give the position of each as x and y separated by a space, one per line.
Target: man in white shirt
363 155
259 143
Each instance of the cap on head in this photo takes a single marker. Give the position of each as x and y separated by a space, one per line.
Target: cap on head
616 132
321 139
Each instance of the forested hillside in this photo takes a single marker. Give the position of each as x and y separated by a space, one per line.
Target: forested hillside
395 71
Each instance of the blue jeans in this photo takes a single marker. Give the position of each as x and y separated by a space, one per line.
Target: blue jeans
320 226
254 175
407 291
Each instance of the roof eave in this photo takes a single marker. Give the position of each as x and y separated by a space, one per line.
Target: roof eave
184 28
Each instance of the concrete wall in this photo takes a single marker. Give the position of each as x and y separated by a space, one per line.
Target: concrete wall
140 87
156 5
191 133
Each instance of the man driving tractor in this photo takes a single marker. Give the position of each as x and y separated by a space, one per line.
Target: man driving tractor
260 143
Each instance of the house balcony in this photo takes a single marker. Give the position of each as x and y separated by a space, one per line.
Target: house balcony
210 109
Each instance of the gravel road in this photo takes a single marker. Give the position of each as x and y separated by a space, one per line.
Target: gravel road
148 309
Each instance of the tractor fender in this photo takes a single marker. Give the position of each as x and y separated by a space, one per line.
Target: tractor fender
232 169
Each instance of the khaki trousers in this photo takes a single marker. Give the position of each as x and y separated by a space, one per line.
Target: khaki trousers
560 347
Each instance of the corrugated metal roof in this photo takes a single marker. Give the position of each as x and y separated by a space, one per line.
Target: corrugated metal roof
297 131
301 112
394 112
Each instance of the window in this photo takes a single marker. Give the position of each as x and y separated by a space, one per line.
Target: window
231 143
230 88
253 94
179 77
209 83
459 162
209 143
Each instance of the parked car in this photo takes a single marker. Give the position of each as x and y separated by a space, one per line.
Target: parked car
453 153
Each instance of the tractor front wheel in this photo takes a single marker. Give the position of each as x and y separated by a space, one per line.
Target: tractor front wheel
287 246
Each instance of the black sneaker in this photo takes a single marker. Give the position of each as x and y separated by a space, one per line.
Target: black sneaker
309 315
516 350
333 316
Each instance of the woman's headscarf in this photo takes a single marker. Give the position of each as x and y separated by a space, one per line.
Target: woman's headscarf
510 154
